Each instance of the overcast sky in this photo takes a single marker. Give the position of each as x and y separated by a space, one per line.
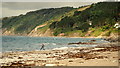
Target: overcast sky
17 7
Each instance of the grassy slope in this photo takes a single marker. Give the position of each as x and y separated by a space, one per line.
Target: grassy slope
24 24
43 30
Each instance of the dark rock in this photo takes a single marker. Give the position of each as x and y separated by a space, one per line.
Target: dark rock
82 43
93 40
70 60
113 39
20 57
16 64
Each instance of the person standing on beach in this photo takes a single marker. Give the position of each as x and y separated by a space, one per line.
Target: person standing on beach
42 47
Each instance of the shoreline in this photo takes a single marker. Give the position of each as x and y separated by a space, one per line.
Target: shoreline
101 55
66 47
50 36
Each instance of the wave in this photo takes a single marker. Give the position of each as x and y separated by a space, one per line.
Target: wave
46 44
61 48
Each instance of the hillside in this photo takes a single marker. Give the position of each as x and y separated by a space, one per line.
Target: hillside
99 19
24 24
86 21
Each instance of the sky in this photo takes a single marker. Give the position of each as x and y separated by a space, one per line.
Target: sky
17 7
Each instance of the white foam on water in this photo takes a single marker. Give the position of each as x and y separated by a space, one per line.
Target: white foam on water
43 43
62 48
94 45
8 51
53 43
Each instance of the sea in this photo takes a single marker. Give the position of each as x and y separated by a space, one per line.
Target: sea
25 43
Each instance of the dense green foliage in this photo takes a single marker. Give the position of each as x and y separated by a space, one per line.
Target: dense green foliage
98 18
104 14
25 23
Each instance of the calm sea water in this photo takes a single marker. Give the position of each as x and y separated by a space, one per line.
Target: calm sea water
22 43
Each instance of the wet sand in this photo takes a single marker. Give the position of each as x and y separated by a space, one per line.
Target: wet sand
101 55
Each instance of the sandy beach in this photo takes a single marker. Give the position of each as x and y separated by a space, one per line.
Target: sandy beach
101 55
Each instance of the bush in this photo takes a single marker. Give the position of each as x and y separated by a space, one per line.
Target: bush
107 33
105 27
